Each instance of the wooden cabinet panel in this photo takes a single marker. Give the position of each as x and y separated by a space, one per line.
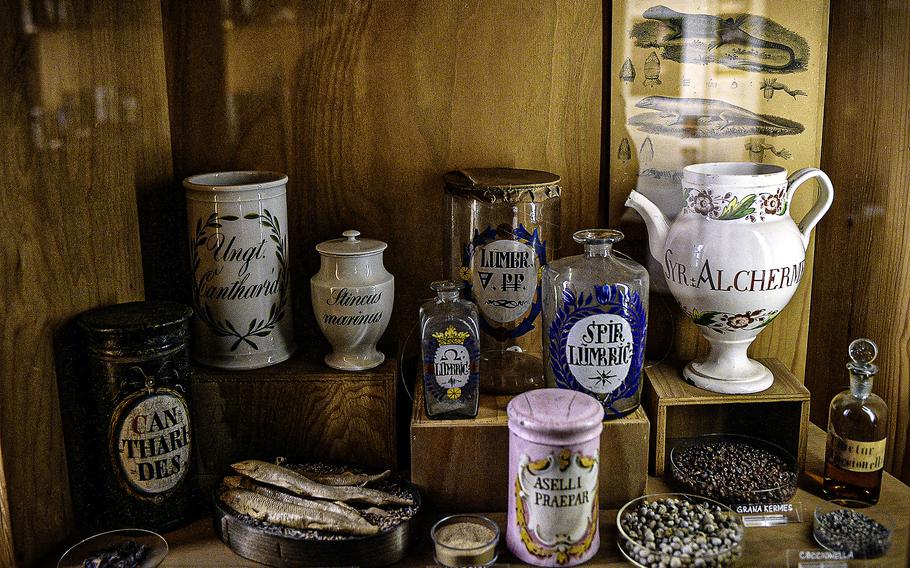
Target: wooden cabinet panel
861 285
83 128
366 104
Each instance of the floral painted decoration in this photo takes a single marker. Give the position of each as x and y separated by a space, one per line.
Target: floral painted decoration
724 321
727 207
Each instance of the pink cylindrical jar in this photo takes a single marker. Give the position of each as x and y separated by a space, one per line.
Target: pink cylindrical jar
554 447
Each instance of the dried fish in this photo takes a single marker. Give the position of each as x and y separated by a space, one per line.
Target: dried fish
240 482
378 512
294 482
345 477
290 515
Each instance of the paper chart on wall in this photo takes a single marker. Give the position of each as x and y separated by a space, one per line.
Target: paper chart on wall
707 81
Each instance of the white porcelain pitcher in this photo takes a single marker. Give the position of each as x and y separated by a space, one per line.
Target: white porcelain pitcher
733 258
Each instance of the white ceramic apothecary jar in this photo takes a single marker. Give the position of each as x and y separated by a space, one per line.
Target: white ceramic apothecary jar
352 298
733 258
238 242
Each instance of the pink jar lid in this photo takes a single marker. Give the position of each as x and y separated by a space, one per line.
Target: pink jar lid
555 416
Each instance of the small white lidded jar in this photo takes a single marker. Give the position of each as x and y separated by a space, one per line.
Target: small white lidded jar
352 298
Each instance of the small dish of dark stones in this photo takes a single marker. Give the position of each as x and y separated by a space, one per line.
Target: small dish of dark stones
734 469
277 545
673 530
852 528
122 548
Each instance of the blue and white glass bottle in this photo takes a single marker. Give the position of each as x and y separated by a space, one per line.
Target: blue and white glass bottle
450 349
595 313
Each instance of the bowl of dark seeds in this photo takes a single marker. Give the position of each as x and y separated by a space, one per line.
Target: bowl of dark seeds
124 548
842 528
734 469
675 530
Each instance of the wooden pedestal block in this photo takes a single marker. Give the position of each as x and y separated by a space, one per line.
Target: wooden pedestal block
678 409
300 409
463 465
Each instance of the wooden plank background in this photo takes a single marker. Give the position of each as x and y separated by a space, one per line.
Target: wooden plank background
83 128
366 104
862 280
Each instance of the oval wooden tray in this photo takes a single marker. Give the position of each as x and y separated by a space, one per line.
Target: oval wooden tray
253 543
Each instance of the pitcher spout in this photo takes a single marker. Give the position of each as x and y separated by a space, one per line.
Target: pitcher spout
657 223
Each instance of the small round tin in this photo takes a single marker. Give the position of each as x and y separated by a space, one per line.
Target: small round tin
554 447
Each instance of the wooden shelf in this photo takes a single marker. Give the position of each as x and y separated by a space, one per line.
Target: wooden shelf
680 410
481 447
197 546
259 413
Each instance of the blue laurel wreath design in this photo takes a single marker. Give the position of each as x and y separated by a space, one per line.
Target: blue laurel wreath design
432 388
521 234
615 299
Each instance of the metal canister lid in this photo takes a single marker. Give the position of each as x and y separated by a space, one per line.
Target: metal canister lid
555 416
350 245
135 328
506 185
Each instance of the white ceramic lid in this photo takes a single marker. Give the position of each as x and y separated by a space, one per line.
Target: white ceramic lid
350 245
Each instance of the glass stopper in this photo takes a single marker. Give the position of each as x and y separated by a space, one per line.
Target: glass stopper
446 289
862 352
598 236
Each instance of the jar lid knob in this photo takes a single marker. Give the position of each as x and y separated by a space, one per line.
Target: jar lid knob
351 235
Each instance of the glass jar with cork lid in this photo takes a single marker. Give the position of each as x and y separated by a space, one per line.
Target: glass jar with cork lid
503 229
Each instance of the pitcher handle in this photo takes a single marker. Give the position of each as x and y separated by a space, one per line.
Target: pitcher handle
822 204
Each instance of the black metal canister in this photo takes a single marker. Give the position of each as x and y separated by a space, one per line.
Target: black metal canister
131 453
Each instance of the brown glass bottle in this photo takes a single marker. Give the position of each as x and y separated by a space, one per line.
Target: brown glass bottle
857 432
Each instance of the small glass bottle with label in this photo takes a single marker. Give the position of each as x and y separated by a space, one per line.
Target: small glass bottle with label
857 433
595 314
451 353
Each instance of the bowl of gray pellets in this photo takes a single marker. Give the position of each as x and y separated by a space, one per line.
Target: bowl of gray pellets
852 528
674 530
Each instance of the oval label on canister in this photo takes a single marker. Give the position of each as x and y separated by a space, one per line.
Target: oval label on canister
452 366
599 351
504 279
150 439
556 503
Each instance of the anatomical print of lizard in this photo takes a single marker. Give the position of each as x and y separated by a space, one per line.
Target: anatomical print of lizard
745 42
688 117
